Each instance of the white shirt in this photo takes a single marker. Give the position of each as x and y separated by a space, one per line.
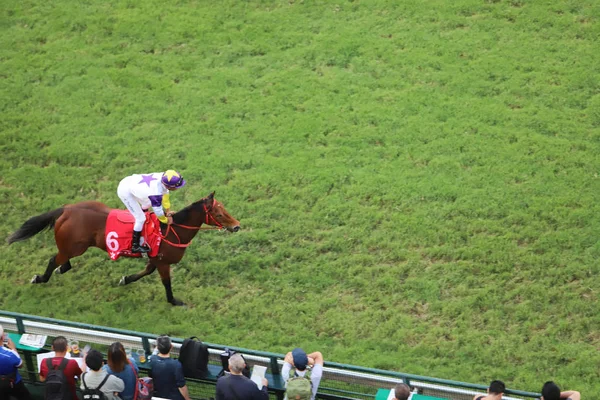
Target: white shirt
148 190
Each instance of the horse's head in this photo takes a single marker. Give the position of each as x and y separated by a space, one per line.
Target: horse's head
217 215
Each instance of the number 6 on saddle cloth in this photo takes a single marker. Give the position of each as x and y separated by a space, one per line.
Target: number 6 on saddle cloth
118 234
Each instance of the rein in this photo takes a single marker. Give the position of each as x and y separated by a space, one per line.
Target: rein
197 228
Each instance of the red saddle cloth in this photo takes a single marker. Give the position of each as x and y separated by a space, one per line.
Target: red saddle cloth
119 231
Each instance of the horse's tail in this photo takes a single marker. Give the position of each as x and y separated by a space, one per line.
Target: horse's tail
35 225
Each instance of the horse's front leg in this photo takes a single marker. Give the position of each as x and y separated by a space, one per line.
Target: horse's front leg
132 278
165 276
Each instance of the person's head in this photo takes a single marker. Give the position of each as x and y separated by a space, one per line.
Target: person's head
300 359
550 391
163 344
59 344
236 363
496 387
117 358
402 391
172 180
94 360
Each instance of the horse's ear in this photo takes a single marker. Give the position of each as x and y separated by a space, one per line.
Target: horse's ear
211 196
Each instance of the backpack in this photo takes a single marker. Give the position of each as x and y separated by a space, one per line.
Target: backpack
7 382
193 357
93 393
144 387
57 386
299 388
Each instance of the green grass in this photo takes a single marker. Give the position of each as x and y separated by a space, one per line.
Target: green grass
417 182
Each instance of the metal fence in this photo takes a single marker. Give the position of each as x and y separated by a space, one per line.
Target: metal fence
339 382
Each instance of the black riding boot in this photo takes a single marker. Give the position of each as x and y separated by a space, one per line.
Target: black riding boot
135 246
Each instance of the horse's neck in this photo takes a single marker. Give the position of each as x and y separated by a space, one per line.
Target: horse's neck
195 221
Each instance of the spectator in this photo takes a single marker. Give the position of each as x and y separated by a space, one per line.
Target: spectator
167 373
495 391
95 377
235 386
551 391
9 362
123 368
71 371
402 391
300 361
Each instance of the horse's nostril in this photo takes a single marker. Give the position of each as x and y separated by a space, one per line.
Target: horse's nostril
236 228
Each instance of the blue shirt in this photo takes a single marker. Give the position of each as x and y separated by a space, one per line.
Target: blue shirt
167 376
128 377
9 362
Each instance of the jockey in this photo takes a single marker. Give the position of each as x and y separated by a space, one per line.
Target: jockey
141 191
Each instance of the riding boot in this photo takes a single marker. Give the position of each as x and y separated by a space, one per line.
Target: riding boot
135 245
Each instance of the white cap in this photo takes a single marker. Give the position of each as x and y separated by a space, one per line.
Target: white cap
1 331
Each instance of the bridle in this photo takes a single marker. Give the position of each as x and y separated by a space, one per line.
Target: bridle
208 218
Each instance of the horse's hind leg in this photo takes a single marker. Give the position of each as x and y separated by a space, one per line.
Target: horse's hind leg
58 259
44 278
132 278
63 268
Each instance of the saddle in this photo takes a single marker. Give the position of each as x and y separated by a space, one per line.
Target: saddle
119 231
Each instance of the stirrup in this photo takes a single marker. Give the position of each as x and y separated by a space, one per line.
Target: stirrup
140 249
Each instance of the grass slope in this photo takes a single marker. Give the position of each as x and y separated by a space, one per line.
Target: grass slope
417 181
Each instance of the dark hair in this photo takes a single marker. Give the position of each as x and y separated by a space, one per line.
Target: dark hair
59 344
163 344
117 358
497 387
94 360
402 391
550 391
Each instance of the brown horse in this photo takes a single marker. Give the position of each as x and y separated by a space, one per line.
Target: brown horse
80 226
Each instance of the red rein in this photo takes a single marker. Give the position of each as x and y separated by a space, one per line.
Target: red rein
184 245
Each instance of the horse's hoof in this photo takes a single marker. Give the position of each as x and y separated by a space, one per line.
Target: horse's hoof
123 281
36 279
176 302
57 271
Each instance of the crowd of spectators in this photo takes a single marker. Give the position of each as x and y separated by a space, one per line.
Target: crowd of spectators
118 378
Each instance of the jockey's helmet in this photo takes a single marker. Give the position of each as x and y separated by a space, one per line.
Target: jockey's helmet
172 179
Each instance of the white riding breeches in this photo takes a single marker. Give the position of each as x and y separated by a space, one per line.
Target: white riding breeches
133 206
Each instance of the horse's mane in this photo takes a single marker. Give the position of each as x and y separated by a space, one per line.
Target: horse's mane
182 215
